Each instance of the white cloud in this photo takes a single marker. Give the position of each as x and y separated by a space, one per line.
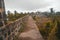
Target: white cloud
32 5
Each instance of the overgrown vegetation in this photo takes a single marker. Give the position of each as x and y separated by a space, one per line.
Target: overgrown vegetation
49 26
14 16
49 29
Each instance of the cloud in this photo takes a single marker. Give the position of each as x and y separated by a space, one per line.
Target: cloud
26 5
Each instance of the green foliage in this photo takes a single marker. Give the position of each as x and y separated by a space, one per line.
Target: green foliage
14 16
58 31
52 33
51 30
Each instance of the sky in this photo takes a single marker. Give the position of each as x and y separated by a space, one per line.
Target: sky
32 5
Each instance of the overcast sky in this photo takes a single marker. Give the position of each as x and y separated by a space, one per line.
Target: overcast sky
32 5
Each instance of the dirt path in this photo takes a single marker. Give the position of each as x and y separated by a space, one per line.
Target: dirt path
31 29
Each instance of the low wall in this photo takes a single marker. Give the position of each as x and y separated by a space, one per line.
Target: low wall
9 31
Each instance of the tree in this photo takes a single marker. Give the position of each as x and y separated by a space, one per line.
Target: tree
15 13
8 12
